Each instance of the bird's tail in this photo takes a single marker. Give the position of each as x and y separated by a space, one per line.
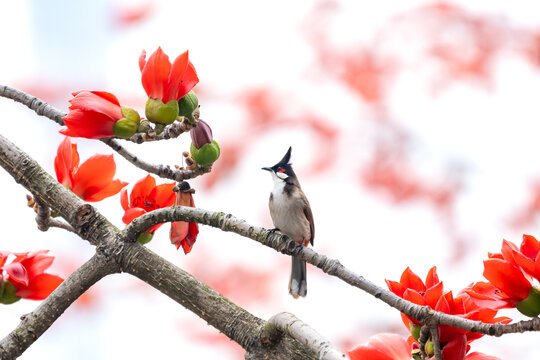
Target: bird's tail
298 281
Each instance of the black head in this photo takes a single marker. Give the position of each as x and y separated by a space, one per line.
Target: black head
283 168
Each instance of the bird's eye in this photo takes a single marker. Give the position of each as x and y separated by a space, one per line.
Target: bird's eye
281 170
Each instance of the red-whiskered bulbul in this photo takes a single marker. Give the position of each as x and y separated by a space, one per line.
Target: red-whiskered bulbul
291 215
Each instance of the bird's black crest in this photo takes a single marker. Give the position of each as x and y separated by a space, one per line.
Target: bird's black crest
287 157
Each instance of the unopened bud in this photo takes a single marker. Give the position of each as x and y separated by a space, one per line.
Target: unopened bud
415 330
187 104
159 113
201 134
207 154
530 306
7 293
145 238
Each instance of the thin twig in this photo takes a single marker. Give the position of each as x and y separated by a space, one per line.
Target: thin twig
434 330
174 130
282 243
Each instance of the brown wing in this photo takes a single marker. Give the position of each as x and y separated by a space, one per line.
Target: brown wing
309 216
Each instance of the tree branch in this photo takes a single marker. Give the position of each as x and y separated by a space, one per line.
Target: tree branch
221 313
283 244
33 325
306 335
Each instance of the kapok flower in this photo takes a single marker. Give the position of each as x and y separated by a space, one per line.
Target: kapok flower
165 84
382 347
164 81
145 197
98 114
453 341
25 277
93 179
184 233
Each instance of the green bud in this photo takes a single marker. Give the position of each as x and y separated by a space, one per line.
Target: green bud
415 330
429 348
531 305
125 128
160 113
207 154
7 293
187 104
144 126
130 114
145 238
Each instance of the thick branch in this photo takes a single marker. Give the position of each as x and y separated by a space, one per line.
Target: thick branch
33 325
290 324
281 243
233 321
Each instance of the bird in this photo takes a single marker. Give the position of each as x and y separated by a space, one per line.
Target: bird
292 216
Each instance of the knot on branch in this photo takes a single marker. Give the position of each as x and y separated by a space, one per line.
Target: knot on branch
84 219
270 334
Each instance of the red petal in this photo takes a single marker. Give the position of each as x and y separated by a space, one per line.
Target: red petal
36 262
40 287
155 74
412 281
530 246
112 189
124 201
432 278
414 297
66 160
88 124
382 347
508 248
97 101
182 78
433 294
17 273
94 175
395 287
163 195
141 190
507 277
456 348
178 232
142 60
131 214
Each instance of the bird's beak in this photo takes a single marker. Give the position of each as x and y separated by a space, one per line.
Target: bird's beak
267 168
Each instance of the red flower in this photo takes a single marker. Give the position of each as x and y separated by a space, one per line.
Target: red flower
93 180
454 341
382 347
145 197
92 115
164 81
27 273
182 233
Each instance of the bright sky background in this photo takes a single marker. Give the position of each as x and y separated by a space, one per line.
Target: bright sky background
480 133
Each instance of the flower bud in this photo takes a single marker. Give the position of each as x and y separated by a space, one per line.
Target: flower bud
7 293
127 126
530 306
415 330
145 238
159 113
429 348
187 104
201 134
207 154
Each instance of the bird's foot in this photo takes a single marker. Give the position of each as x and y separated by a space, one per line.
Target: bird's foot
271 231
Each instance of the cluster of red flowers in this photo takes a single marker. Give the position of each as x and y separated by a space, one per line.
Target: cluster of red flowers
511 277
98 114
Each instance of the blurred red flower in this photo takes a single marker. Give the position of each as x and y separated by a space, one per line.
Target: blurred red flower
164 81
27 273
184 233
93 179
92 115
382 347
145 197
